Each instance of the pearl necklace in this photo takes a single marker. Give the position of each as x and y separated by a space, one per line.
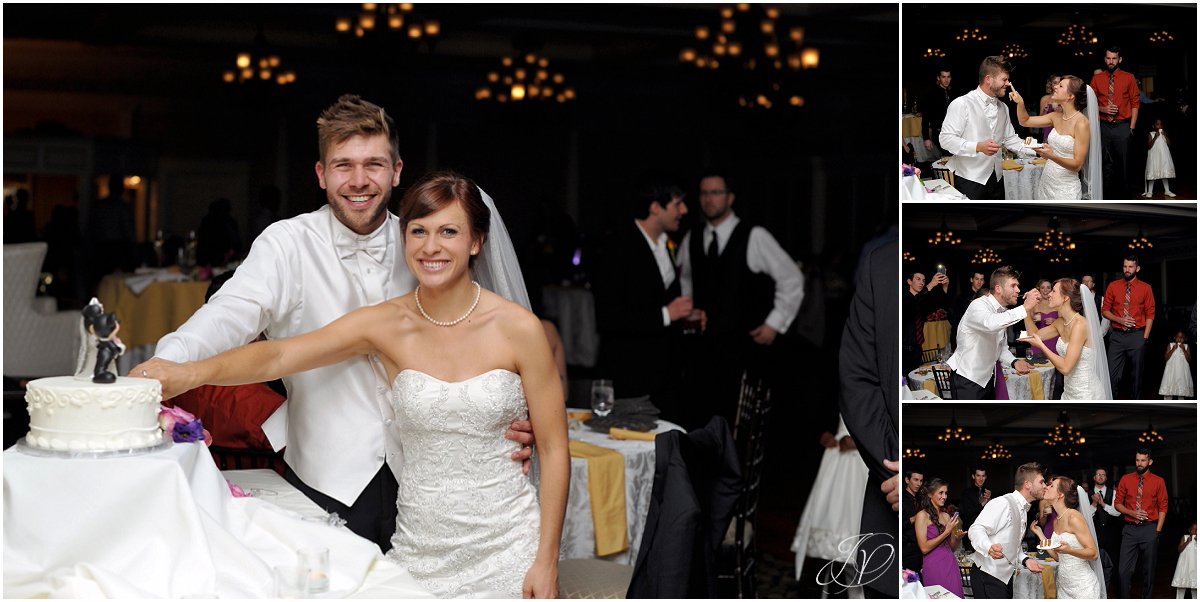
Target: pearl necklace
1071 117
417 296
1067 323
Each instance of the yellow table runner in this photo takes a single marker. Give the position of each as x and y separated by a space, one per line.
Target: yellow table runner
620 433
911 126
1035 385
606 488
937 334
1049 590
159 310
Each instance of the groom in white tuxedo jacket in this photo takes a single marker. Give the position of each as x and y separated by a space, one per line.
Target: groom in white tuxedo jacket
996 536
981 339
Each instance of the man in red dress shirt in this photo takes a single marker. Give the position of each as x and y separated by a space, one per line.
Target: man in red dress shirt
1129 303
1142 498
1117 96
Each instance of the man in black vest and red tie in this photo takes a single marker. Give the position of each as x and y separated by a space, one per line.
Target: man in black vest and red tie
748 288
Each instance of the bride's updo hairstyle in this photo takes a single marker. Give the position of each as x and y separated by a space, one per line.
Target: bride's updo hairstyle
1075 86
1070 288
1066 486
436 191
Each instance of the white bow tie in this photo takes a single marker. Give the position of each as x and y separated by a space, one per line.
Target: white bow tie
374 245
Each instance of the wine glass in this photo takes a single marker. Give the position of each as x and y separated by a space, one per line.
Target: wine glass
602 396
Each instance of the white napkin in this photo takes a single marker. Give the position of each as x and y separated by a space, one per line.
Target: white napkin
138 283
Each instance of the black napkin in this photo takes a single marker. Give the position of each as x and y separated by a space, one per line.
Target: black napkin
635 414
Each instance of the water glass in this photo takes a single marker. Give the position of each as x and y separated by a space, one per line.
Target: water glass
290 581
315 562
602 397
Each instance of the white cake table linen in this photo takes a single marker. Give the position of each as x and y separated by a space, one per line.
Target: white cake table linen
579 534
1019 185
161 524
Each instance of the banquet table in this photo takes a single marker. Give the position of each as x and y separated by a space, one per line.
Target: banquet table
1028 585
1020 184
579 536
910 126
931 189
148 306
937 334
1020 386
163 523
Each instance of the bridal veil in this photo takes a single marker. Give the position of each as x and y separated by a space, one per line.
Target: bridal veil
1096 341
1090 174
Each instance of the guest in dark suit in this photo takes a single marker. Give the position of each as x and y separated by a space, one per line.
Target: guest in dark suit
911 557
638 300
1106 521
870 407
973 499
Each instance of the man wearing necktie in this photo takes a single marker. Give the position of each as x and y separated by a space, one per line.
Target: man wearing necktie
1105 519
1129 304
976 126
747 287
302 273
1117 95
1142 498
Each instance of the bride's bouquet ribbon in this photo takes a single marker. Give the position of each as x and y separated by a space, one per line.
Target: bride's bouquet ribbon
606 490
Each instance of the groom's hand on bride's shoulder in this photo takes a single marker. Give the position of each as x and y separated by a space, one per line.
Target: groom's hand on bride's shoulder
521 431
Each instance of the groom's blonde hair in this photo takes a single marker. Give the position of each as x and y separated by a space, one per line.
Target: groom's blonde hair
1026 472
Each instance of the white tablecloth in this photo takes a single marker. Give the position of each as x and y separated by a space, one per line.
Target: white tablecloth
1027 585
162 524
579 534
931 189
1019 185
1018 384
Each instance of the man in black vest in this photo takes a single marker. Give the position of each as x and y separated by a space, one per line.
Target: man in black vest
638 300
1106 519
748 288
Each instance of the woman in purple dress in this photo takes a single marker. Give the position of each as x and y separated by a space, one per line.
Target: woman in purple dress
1048 106
1043 316
938 534
1043 525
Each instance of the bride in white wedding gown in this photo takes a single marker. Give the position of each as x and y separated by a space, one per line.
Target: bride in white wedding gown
1079 354
461 363
1072 148
1079 573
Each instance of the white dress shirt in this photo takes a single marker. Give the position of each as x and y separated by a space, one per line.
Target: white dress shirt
666 268
763 255
981 339
301 274
1001 521
973 118
1102 490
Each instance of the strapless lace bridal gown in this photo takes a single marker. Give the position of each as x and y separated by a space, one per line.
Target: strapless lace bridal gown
1058 182
1075 578
1081 383
468 517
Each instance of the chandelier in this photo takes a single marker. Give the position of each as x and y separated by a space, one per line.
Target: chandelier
985 256
398 18
944 236
259 65
1150 435
1055 242
1140 242
1078 40
1161 37
996 451
749 41
1013 51
934 53
909 256
525 78
971 35
954 433
1065 437
912 452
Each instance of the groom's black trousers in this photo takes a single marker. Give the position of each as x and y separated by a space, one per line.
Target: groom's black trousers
985 586
992 190
965 389
373 514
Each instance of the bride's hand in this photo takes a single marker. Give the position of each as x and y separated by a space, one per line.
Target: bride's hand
1013 95
1044 151
541 581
